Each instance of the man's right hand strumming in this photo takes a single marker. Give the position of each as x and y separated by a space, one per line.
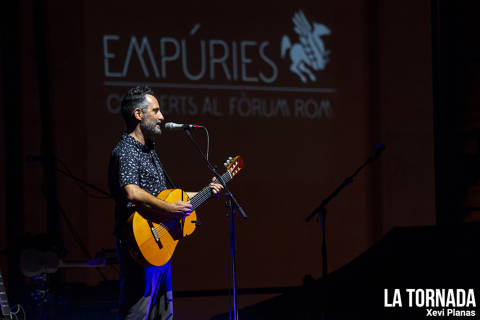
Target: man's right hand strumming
180 208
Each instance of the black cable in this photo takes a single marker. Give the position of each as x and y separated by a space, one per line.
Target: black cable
67 172
77 238
208 140
82 183
82 188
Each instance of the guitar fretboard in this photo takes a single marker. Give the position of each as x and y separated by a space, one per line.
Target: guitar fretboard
206 192
4 300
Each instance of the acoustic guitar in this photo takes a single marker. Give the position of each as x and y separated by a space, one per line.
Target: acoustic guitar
152 238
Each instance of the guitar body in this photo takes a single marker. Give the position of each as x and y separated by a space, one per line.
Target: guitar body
152 242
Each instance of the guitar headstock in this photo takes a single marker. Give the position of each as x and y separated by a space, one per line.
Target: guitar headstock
234 165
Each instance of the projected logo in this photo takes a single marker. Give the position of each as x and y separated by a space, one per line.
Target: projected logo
192 69
309 54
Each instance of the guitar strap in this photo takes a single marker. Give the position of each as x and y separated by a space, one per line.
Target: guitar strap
172 186
169 180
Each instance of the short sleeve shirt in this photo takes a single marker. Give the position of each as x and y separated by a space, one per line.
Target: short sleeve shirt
132 162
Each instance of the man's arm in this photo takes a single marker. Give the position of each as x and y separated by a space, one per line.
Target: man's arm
141 197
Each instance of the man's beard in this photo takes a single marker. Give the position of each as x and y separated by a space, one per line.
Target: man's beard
149 127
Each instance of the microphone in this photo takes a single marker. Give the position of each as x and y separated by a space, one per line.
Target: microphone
178 126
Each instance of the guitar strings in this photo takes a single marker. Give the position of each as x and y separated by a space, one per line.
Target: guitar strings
198 199
162 229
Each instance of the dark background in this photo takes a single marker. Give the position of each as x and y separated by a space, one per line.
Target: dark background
405 75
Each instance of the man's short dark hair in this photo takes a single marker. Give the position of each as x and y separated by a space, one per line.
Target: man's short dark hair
135 98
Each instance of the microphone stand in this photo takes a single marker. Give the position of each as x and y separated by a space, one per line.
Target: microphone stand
230 203
321 210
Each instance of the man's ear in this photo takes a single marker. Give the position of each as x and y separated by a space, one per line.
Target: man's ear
138 114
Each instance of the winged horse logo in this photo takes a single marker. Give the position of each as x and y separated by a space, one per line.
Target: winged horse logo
310 52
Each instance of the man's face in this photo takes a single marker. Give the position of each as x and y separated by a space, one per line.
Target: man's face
152 119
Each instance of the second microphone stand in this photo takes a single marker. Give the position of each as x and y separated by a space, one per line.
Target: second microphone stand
231 203
321 210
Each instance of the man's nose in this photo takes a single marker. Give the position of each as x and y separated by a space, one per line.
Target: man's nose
160 116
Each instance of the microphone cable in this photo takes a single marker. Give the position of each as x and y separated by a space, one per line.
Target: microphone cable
208 140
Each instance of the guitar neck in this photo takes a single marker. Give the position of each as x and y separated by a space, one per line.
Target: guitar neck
206 192
4 300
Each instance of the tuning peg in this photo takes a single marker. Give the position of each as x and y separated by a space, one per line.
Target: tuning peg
228 162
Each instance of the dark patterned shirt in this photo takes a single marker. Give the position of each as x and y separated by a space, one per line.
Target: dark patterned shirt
132 162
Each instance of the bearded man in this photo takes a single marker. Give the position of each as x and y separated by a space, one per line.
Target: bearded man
136 177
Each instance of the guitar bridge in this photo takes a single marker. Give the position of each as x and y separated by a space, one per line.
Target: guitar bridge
155 234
